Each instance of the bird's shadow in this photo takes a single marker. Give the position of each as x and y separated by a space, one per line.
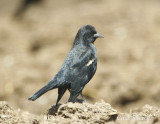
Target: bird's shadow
53 110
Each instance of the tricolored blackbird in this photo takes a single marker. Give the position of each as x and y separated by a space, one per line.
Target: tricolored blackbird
78 68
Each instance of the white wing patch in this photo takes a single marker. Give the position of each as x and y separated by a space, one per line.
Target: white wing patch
90 62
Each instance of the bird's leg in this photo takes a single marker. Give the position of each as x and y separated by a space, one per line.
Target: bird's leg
61 91
83 98
79 100
73 96
75 90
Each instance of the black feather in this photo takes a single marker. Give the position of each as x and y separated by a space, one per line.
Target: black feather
78 68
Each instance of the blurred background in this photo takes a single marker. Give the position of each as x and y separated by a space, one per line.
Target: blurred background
36 35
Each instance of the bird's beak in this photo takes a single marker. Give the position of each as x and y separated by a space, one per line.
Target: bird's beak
97 35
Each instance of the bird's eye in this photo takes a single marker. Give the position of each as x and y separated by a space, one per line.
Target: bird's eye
93 32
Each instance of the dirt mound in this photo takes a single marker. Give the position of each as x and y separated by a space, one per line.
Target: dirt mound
81 113
147 114
8 115
6 112
65 113
34 46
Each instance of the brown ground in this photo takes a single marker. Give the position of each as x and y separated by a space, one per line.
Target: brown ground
70 113
35 41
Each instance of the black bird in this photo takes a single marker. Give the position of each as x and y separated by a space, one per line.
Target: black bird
78 68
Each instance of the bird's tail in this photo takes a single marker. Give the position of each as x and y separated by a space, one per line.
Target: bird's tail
43 90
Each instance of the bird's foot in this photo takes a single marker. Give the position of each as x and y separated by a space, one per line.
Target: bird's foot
81 100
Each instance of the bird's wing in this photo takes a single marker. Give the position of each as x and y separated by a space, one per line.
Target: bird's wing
83 70
77 67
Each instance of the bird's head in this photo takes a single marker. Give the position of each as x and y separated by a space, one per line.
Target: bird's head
87 34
